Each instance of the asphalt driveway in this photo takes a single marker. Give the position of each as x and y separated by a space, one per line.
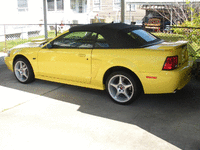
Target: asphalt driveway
45 115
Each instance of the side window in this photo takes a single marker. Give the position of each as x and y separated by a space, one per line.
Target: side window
75 40
101 42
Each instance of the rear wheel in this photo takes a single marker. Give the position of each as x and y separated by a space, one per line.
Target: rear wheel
122 87
23 71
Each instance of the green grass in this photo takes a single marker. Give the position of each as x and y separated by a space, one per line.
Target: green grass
4 46
11 43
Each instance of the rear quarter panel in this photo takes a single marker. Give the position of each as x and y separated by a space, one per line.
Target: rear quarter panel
139 61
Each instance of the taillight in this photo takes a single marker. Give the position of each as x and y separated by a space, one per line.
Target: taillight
171 63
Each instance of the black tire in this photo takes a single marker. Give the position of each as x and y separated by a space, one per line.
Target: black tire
23 71
123 91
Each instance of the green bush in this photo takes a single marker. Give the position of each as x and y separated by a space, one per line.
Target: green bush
190 30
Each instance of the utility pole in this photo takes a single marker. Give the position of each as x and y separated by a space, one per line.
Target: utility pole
122 11
171 17
45 19
191 11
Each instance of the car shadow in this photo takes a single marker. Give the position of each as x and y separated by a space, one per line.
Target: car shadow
173 117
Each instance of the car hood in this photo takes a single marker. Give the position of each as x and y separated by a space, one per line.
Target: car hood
33 43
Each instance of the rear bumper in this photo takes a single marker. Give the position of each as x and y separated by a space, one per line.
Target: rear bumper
167 81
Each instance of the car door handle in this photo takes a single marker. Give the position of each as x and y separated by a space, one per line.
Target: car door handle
81 55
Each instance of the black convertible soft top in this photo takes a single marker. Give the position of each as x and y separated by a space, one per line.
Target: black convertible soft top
104 27
114 33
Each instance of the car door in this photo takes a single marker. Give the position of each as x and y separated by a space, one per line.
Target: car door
68 58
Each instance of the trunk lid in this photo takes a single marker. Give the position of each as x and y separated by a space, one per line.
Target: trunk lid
178 48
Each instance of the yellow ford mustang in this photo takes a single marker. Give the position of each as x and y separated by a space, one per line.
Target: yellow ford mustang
123 59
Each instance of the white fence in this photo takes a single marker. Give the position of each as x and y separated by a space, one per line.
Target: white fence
11 32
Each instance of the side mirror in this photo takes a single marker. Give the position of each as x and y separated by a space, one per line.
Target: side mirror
49 46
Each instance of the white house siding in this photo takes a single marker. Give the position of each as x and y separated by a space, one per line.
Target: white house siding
11 15
34 15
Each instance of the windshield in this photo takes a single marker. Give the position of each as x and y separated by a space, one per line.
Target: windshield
142 37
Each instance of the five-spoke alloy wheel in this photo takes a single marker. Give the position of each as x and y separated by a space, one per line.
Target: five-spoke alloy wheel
122 87
23 71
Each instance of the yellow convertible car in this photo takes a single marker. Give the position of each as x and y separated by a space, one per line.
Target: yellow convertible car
125 60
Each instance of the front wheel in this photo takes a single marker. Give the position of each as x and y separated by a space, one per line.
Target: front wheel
23 71
122 87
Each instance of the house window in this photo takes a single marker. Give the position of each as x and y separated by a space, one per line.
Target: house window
130 7
50 4
22 5
55 5
73 4
78 6
96 5
60 5
117 5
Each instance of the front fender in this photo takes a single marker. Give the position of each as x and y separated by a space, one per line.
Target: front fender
29 53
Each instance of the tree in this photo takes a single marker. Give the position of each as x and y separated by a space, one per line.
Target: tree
191 31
